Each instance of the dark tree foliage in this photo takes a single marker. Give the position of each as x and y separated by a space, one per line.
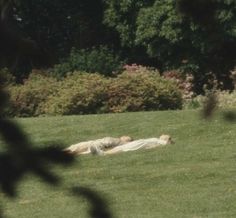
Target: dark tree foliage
98 207
59 25
217 21
201 11
17 51
195 36
41 32
20 158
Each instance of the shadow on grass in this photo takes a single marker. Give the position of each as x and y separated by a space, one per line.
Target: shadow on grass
20 158
229 116
210 107
98 205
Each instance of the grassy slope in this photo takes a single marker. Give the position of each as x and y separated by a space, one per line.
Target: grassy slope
195 177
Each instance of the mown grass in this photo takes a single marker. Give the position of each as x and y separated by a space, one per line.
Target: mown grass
195 177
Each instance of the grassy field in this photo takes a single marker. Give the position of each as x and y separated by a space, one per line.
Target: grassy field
195 177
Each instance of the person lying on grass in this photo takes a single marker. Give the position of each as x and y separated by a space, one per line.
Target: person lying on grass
135 145
99 145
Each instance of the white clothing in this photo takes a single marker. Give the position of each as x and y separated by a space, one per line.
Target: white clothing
138 144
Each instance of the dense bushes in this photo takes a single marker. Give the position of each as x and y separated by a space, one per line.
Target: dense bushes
83 93
142 89
225 100
6 77
184 82
79 93
28 99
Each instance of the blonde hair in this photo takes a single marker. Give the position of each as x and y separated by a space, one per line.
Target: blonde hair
125 139
166 138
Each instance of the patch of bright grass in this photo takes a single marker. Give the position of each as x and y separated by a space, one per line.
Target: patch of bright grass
195 177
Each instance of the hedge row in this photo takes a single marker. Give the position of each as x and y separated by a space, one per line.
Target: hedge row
83 93
225 100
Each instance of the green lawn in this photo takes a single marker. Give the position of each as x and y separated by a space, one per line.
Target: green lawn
195 177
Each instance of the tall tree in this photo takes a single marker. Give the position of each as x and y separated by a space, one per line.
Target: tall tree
60 25
217 20
52 28
14 47
175 39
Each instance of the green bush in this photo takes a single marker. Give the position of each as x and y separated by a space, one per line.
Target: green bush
143 89
79 93
6 77
84 93
96 60
225 100
27 99
194 103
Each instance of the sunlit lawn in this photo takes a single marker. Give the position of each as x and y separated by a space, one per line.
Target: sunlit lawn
195 177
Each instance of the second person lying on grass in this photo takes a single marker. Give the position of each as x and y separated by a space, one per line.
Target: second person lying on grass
135 145
99 144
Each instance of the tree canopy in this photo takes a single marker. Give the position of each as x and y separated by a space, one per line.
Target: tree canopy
198 37
194 36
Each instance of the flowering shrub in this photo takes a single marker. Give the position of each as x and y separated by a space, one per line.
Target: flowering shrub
185 82
233 76
137 69
142 90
